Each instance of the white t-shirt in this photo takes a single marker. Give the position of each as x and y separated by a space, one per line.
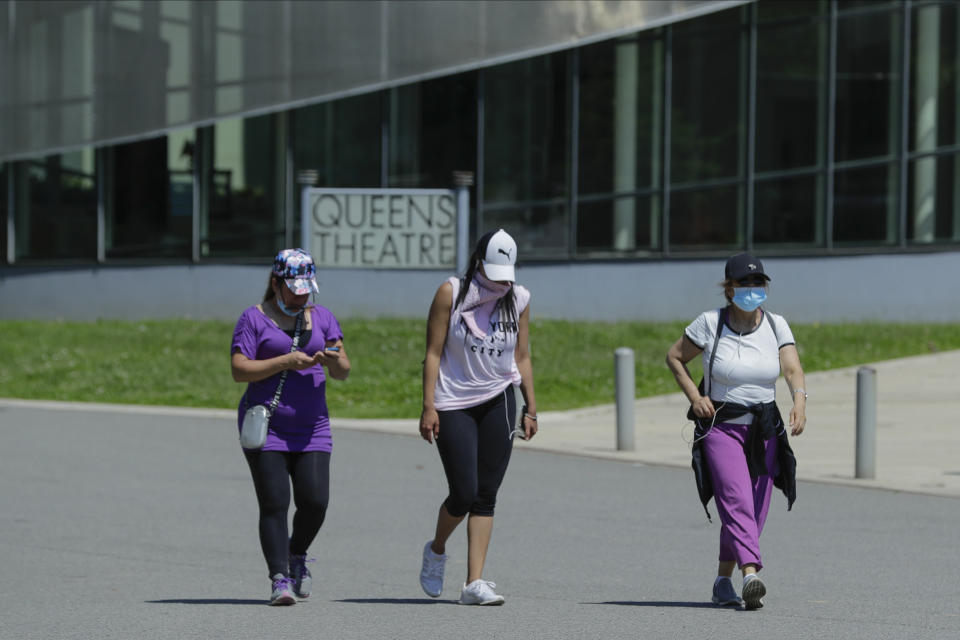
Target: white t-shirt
747 365
473 370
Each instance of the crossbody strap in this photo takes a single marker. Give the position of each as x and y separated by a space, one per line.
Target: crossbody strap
283 376
708 376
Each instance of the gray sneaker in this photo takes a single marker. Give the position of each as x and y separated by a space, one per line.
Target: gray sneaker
300 574
431 571
282 590
724 594
753 592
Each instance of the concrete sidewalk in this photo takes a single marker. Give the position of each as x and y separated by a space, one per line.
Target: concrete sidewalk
918 447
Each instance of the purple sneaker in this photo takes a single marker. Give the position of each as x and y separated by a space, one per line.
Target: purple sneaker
282 590
302 580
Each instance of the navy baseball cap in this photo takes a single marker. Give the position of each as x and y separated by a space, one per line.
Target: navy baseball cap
742 266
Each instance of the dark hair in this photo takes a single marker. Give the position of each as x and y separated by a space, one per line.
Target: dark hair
508 303
270 293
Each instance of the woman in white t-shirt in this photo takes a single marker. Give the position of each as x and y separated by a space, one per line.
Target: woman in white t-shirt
740 449
477 350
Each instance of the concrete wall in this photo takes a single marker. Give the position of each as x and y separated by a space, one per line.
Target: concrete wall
906 287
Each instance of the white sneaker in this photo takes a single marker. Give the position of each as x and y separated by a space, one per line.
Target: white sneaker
480 592
431 571
753 591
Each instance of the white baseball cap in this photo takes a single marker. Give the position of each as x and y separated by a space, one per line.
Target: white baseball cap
498 256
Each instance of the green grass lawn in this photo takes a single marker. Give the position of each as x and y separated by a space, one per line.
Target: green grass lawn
186 362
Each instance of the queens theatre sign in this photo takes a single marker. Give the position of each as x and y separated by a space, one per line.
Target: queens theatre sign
380 228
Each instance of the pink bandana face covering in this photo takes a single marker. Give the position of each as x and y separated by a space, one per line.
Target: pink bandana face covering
482 296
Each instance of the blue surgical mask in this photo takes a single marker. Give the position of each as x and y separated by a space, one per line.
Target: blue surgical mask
749 298
287 310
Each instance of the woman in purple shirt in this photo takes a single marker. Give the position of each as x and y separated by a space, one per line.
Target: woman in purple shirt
298 442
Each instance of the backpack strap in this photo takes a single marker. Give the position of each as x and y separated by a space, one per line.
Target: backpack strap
707 377
773 325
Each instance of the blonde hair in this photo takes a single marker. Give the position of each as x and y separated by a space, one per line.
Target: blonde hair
727 285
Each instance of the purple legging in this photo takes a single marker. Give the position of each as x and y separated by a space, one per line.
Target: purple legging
742 501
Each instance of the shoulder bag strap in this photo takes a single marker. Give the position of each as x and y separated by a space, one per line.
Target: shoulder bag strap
283 376
721 318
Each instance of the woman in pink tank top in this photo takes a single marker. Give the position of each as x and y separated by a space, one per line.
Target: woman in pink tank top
477 361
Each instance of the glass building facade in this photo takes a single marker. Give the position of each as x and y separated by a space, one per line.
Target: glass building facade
782 127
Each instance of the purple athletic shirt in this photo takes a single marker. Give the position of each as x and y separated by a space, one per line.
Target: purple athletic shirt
301 421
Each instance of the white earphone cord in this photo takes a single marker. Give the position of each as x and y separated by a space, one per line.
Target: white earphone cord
783 426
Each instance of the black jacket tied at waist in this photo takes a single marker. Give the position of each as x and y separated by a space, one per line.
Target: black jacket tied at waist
767 424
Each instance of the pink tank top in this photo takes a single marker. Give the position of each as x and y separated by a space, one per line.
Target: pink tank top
473 370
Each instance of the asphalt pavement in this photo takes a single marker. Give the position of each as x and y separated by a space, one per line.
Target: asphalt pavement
130 522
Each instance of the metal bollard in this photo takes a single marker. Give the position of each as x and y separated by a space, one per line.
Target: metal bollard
866 423
625 383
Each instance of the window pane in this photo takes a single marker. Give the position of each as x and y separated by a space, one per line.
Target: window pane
778 9
867 85
853 5
933 200
340 140
622 224
150 209
245 189
790 95
787 212
3 212
705 220
526 130
865 206
934 77
433 131
708 101
621 88
174 36
540 231
57 207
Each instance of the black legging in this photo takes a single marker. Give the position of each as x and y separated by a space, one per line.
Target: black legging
272 471
475 446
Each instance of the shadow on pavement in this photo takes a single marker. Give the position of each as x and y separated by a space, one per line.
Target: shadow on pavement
207 601
395 601
665 603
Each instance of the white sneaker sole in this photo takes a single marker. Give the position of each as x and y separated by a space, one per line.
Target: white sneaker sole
753 593
488 603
